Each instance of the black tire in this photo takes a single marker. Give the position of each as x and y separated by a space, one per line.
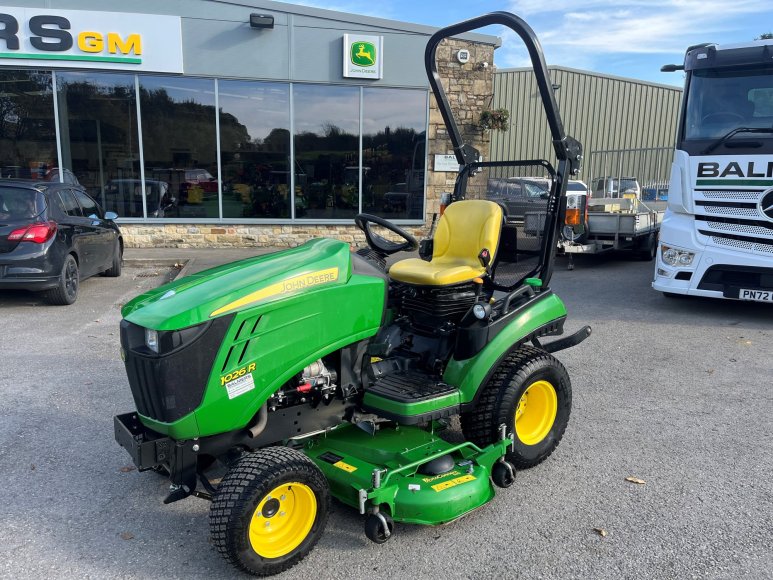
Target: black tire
500 399
66 290
115 269
503 474
246 487
374 527
647 248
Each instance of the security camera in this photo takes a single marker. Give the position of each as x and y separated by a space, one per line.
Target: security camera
484 64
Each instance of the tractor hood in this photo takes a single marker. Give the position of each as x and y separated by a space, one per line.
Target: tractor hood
239 285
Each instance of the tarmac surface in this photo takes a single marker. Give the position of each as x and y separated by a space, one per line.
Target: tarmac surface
675 392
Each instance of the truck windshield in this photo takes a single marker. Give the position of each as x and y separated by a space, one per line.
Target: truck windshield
720 100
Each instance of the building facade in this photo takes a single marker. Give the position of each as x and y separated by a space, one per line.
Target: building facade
216 123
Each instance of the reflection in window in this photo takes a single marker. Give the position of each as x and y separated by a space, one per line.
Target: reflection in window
98 115
179 146
327 151
27 129
255 149
393 143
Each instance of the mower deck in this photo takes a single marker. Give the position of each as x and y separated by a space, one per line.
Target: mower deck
417 476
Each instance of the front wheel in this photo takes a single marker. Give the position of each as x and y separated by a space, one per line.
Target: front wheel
115 266
269 510
530 393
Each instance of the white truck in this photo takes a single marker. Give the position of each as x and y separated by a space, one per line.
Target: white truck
717 235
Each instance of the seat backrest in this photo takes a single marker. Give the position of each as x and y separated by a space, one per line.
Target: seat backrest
466 228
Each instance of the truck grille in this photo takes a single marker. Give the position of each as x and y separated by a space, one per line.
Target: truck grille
732 219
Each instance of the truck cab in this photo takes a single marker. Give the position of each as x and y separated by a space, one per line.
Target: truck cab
717 234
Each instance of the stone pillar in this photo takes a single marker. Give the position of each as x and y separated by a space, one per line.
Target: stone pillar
470 90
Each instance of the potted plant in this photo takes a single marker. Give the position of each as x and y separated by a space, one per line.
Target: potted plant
495 119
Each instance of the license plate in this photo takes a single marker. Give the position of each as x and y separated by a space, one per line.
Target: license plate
756 295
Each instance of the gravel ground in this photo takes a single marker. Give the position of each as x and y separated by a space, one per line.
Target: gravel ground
674 392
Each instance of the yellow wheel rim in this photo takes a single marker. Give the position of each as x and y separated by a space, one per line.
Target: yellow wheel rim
282 520
536 412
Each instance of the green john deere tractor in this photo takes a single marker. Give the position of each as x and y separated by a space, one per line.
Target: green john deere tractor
318 372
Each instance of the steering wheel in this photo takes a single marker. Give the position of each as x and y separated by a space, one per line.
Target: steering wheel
380 244
727 116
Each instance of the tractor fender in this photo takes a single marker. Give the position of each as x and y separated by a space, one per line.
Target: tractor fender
541 318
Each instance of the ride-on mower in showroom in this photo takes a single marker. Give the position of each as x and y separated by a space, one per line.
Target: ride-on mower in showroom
316 372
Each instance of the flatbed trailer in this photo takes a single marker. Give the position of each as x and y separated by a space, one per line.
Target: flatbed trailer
619 224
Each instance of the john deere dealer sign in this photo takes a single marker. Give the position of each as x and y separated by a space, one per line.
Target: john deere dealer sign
363 56
48 37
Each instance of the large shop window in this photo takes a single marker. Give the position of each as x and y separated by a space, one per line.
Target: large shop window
393 152
98 117
255 149
179 142
327 135
27 128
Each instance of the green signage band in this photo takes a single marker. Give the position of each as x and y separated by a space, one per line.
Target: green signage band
72 57
734 182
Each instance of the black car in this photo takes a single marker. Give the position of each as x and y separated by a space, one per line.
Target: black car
519 195
52 236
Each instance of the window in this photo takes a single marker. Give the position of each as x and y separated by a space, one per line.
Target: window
327 130
87 204
71 207
393 142
719 100
179 147
27 129
255 150
98 113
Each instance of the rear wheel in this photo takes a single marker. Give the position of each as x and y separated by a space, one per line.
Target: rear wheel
117 265
66 290
647 248
269 510
530 393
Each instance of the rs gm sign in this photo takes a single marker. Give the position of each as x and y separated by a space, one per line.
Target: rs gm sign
85 39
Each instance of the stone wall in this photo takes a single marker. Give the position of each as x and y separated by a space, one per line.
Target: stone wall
470 90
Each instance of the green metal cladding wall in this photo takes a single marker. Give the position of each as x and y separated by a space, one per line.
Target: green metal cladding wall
602 112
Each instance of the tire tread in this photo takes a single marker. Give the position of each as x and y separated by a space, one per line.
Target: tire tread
480 425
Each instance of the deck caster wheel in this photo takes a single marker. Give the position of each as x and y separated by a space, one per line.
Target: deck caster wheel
503 474
379 527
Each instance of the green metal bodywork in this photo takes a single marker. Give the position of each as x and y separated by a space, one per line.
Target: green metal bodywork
279 335
468 375
407 409
398 452
281 324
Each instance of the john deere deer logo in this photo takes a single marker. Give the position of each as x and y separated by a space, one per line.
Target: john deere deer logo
363 53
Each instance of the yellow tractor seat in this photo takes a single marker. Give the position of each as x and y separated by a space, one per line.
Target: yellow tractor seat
463 232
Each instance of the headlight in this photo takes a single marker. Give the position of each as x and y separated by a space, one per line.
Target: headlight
479 311
151 339
165 342
676 257
572 201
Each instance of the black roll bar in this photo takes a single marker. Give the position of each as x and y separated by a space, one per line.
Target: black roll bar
568 150
566 147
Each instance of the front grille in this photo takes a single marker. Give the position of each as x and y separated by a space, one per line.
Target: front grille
732 219
723 278
751 194
168 387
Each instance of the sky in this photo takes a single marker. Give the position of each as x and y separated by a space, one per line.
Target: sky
629 38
